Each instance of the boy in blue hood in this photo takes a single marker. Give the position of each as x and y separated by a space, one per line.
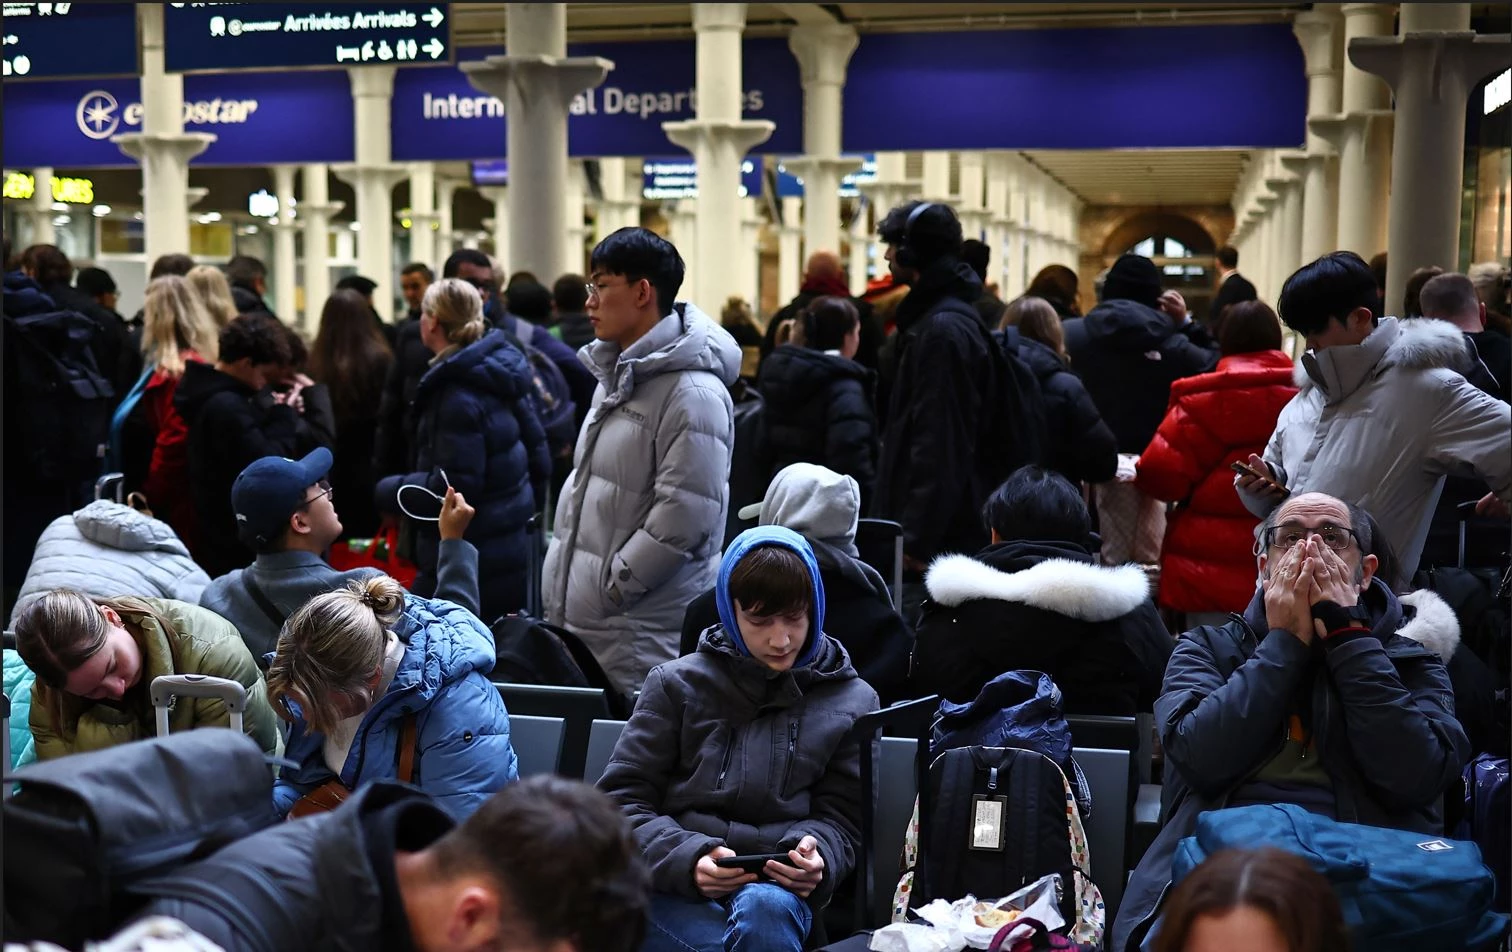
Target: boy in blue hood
740 749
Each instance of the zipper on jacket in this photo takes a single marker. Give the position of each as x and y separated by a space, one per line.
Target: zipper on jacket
792 748
724 767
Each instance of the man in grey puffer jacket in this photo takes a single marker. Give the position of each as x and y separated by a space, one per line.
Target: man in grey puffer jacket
641 519
1384 413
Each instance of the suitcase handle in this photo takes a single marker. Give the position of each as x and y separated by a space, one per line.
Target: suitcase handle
164 689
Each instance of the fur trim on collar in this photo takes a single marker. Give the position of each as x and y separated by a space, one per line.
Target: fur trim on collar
1421 343
1433 625
1079 590
1426 343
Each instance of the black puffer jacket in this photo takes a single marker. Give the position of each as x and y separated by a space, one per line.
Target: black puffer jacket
819 409
721 750
1048 607
1079 444
324 884
248 301
940 452
394 450
111 346
230 427
1127 355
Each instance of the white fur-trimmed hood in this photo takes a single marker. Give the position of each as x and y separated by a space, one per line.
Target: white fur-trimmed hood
1078 590
1415 344
1434 625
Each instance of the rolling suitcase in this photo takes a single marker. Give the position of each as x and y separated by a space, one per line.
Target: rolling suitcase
170 687
535 548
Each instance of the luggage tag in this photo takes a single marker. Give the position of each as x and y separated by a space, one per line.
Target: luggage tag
987 827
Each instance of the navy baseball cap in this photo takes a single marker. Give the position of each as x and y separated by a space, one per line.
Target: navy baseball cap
269 491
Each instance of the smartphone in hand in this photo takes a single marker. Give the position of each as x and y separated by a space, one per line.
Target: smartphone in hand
753 862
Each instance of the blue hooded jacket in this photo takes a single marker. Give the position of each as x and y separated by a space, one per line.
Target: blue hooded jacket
744 543
462 728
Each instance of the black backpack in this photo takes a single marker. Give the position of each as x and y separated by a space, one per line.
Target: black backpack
61 419
530 651
82 831
1000 819
552 401
1022 406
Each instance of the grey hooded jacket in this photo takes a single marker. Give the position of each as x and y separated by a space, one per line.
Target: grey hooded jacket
722 750
641 520
1382 714
108 549
1379 424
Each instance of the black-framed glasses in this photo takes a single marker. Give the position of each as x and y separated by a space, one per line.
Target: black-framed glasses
484 285
326 489
1287 535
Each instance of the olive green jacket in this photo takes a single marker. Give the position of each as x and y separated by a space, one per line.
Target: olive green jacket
201 642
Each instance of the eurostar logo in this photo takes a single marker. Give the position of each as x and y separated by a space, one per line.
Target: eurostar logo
97 114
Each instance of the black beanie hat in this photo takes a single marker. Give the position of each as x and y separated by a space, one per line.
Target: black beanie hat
1135 278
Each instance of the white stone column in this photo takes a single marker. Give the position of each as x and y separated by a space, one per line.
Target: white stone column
1317 31
973 189
860 256
284 227
682 217
162 147
937 178
316 212
1288 213
719 140
790 250
748 253
39 208
620 180
576 232
537 81
373 177
446 230
1432 67
499 227
822 53
424 221
1362 135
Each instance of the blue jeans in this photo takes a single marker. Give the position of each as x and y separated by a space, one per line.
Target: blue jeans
761 917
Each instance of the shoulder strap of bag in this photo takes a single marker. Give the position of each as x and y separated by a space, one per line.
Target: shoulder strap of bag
261 598
407 731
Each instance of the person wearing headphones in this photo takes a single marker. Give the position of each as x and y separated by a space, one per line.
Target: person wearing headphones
948 437
286 512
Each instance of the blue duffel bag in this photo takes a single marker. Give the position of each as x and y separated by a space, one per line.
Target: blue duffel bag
1400 891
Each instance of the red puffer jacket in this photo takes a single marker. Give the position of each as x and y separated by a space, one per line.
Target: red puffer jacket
1207 564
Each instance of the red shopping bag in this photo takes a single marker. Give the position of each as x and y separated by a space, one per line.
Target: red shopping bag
380 552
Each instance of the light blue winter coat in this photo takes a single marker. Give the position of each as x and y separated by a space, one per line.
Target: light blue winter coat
18 684
108 549
462 728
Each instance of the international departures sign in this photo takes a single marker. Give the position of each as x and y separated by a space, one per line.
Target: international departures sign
42 40
202 37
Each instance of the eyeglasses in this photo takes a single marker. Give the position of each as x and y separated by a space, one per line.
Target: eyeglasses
1286 536
326 489
594 290
485 287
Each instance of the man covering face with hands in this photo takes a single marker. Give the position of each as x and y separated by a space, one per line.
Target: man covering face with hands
1329 692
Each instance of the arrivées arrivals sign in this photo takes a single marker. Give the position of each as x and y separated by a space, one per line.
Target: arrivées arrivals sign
54 40
226 36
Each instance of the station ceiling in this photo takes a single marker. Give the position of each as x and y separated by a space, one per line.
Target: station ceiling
1146 176
482 24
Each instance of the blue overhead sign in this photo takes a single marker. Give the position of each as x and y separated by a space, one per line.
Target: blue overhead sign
673 177
439 116
258 118
790 185
224 36
48 40
1144 87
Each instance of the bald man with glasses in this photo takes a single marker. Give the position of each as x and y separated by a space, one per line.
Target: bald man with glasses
1329 692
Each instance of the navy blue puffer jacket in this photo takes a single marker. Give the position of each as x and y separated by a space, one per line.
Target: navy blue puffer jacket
473 421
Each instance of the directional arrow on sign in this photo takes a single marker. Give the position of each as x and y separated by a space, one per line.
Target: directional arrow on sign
434 17
434 48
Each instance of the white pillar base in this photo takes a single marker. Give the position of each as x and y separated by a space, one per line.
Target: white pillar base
165 184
